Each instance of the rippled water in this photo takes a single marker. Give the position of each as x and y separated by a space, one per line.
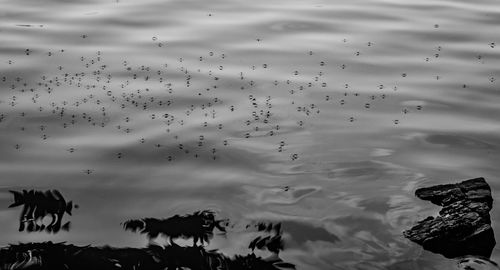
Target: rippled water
325 115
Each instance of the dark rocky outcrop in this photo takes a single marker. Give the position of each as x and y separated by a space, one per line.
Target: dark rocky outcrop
463 226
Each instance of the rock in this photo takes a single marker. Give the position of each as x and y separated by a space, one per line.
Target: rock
463 226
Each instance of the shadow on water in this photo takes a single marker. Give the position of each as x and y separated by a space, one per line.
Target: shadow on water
50 255
199 226
462 230
39 204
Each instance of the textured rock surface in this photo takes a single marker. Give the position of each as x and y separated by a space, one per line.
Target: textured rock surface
463 225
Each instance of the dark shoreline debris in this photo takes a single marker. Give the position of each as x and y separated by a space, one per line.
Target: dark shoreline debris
463 226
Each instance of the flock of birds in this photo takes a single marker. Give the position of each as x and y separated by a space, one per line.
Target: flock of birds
104 96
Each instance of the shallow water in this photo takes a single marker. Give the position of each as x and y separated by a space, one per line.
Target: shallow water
325 115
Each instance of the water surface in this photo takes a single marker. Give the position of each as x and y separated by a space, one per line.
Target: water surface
325 115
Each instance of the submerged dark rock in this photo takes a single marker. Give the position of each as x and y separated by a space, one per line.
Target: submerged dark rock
463 226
